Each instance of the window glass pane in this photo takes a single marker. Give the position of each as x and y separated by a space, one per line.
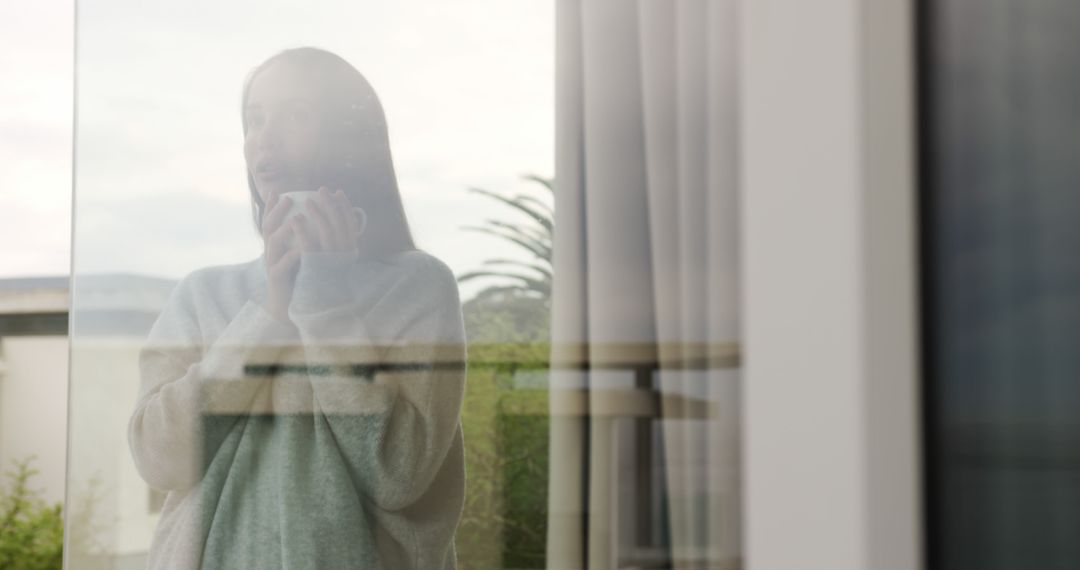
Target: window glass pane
1002 164
418 371
204 427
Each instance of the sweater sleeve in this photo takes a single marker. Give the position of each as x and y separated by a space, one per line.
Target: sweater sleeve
181 376
385 348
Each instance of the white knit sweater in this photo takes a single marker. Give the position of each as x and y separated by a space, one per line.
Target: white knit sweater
330 442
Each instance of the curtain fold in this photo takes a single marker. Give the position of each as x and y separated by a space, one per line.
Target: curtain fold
645 302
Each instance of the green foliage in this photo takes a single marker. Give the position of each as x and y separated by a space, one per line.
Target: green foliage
31 531
523 446
505 317
479 536
504 524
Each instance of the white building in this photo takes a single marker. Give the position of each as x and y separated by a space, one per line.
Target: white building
114 313
34 378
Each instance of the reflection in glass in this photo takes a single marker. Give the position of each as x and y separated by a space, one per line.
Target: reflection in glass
312 406
172 300
301 410
645 317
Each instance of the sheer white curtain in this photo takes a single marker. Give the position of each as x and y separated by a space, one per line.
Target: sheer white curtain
646 279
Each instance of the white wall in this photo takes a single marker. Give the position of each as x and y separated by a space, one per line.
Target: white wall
33 407
830 401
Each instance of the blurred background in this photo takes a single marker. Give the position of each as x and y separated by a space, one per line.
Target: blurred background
162 192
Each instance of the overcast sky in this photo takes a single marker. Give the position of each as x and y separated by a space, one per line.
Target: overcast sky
467 86
35 137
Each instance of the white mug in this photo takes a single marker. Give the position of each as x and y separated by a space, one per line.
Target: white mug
299 205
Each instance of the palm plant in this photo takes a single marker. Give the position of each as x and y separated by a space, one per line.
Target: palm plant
533 277
508 326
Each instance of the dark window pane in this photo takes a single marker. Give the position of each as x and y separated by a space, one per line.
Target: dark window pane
1001 195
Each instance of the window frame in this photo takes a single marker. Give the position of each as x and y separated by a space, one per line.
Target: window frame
831 376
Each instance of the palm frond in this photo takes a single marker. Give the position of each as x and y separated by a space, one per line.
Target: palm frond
531 283
496 289
545 208
548 183
534 267
539 251
531 211
537 239
531 233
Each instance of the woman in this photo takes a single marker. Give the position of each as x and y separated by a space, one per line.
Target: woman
302 410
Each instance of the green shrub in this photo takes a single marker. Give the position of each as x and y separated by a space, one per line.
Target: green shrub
31 531
523 447
504 524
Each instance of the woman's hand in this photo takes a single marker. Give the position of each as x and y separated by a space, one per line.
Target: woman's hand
330 224
282 257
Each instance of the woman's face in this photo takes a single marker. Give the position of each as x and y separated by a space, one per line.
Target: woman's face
281 145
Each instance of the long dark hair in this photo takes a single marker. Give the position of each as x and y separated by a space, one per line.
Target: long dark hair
356 150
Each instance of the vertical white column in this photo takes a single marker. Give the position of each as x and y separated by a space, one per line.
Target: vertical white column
830 391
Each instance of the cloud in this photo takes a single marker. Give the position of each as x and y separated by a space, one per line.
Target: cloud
467 87
162 234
